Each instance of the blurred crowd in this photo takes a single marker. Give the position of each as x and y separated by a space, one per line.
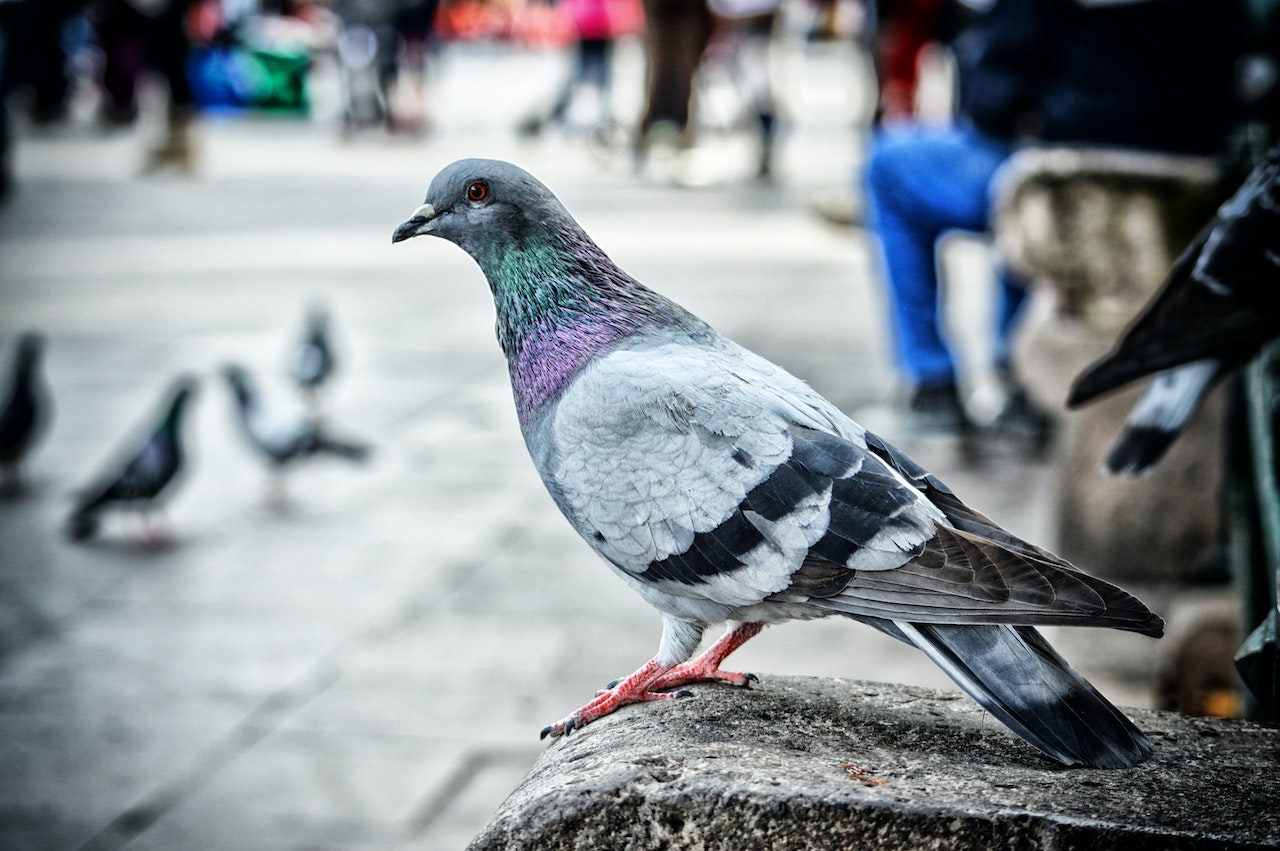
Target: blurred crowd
1192 77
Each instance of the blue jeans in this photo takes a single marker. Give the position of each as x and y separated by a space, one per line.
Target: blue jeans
923 182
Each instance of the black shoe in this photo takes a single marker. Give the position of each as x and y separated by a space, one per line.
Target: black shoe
936 409
1023 421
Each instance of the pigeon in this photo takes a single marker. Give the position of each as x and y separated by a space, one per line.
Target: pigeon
283 435
1218 306
723 489
146 476
311 361
25 411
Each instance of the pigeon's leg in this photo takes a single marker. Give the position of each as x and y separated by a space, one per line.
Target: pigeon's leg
707 666
632 689
679 639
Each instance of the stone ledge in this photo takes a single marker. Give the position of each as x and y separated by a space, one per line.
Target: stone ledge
800 763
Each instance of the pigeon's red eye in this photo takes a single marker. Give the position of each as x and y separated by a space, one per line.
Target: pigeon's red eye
478 191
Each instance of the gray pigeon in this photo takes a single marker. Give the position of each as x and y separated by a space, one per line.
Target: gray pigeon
721 488
1219 305
25 411
312 362
144 478
282 435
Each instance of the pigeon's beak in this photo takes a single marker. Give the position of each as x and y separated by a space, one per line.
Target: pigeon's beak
416 225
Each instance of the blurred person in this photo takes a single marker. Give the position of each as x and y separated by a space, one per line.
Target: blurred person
902 32
141 35
8 27
596 26
38 56
745 28
380 39
32 56
1147 74
676 34
414 24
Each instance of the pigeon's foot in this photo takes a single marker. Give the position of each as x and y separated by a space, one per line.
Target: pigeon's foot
655 681
633 689
706 668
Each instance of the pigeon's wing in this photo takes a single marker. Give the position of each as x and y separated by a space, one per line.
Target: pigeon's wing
141 477
280 431
687 470
710 474
1221 299
972 571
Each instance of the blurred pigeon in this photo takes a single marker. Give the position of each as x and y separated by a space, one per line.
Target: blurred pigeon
281 434
1218 307
721 488
25 411
144 478
311 362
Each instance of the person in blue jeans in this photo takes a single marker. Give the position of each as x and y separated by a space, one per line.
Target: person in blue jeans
1147 74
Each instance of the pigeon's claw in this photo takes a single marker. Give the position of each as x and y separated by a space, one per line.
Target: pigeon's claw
692 672
637 688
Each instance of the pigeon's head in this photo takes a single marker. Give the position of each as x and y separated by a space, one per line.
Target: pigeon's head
485 207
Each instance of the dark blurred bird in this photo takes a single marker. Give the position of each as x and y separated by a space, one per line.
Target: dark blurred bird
312 362
283 435
144 478
721 488
25 412
1219 305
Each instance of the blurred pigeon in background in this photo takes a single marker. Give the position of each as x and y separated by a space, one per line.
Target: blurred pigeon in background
311 362
144 478
721 488
1218 307
25 412
281 434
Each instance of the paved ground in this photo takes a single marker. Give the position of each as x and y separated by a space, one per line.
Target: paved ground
369 667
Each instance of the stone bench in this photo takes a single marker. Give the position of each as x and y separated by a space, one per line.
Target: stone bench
1095 232
805 763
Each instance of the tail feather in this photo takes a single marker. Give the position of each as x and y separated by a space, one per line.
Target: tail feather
1137 449
1160 415
1014 673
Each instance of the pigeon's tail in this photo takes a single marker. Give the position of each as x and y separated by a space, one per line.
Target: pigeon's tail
352 450
1159 417
1014 673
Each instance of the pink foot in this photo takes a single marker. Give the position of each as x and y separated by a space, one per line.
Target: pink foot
655 680
633 689
706 667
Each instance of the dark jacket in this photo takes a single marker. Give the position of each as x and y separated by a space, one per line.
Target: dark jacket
1151 74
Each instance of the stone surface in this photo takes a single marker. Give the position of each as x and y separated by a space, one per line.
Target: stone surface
1101 226
802 763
